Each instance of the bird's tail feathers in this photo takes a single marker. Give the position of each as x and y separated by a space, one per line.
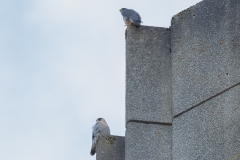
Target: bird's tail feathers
94 144
93 151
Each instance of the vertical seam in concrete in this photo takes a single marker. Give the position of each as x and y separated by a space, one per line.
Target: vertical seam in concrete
207 100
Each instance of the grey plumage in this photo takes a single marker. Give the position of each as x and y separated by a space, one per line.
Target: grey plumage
100 128
131 17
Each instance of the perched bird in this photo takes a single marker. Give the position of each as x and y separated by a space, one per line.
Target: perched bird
100 128
130 17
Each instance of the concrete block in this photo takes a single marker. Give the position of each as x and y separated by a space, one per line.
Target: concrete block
148 74
111 148
209 131
205 41
148 141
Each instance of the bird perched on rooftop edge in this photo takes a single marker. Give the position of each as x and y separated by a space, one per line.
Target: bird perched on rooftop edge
130 17
100 128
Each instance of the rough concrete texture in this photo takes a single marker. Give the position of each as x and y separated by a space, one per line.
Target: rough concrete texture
205 42
111 148
148 141
148 76
209 131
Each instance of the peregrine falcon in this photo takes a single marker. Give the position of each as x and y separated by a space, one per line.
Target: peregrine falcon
100 128
130 17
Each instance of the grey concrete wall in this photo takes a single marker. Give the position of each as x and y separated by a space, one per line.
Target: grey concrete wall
209 131
205 43
148 141
199 80
148 94
148 74
111 148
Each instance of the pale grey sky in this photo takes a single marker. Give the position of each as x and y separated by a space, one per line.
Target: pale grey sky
62 65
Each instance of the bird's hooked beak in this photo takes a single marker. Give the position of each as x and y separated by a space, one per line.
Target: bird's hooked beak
121 9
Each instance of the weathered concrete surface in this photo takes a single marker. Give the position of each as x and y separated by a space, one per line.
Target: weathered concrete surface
148 141
209 131
111 148
205 41
148 74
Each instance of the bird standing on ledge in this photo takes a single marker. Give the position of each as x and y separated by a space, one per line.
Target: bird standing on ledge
130 17
100 128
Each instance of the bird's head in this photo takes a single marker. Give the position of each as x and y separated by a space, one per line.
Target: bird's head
122 9
100 119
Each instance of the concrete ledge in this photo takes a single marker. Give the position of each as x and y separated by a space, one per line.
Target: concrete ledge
111 148
148 74
148 141
210 131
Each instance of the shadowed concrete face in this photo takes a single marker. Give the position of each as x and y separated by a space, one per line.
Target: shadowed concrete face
210 131
205 44
206 81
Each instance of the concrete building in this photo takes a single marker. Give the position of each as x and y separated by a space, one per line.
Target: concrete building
182 88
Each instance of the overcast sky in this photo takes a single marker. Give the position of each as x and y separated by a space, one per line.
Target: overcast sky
62 66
